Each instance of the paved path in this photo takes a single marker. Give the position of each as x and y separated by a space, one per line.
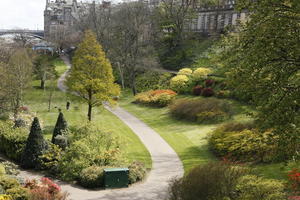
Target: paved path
165 166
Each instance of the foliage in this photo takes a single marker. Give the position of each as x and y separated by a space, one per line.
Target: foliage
12 187
208 92
201 73
89 146
10 168
241 143
45 190
179 83
262 61
185 71
12 140
2 170
61 126
50 158
198 109
294 180
206 182
61 141
152 81
35 146
92 177
209 82
251 187
91 75
156 97
137 172
197 90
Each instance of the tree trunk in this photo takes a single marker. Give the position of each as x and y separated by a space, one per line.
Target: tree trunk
133 87
90 112
42 84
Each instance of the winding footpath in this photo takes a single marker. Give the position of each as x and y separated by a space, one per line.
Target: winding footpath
165 164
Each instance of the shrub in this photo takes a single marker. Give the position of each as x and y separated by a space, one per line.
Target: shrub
89 146
209 83
50 158
244 144
92 177
12 140
152 81
61 126
197 109
223 94
208 92
197 90
185 71
294 180
201 73
156 97
2 170
61 141
206 182
180 83
35 146
12 187
252 187
10 168
137 172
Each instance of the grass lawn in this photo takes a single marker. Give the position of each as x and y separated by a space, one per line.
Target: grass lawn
189 140
37 101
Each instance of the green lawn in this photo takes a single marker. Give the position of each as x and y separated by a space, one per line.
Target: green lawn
37 101
189 140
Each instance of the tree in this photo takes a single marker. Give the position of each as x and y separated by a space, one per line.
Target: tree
263 61
16 75
35 146
44 68
61 126
91 75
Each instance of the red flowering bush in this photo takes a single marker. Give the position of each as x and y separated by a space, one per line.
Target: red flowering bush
294 180
208 92
294 198
45 190
156 97
209 83
197 90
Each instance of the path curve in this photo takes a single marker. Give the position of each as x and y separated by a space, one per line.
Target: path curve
165 164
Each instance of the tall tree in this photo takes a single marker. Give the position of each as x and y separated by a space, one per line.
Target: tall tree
91 75
263 61
44 69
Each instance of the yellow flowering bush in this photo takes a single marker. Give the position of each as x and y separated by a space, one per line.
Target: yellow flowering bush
185 71
179 83
201 73
156 97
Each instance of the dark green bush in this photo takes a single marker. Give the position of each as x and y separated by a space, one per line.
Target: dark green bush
35 146
61 141
92 177
61 126
202 110
12 140
137 172
207 182
152 81
243 142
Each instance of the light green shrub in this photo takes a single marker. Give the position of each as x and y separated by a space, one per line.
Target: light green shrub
92 177
252 187
158 98
180 83
201 73
2 170
137 172
185 71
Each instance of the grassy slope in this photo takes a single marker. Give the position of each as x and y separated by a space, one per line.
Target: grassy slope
189 140
37 100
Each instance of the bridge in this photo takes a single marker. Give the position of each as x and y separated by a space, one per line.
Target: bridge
34 33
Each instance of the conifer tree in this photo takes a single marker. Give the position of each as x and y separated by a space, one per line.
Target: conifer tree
61 126
35 146
91 75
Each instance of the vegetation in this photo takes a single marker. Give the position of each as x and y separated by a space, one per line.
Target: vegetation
158 98
61 127
91 75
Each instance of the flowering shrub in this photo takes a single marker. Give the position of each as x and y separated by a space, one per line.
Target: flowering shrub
201 73
294 180
185 71
156 97
208 92
179 83
197 90
45 190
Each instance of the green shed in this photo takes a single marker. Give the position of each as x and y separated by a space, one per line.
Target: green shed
116 177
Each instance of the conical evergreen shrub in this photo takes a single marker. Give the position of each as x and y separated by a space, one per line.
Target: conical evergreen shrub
35 146
61 126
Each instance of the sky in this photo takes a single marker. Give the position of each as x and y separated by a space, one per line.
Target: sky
25 14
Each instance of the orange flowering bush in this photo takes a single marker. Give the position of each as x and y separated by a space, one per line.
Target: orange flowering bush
156 97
